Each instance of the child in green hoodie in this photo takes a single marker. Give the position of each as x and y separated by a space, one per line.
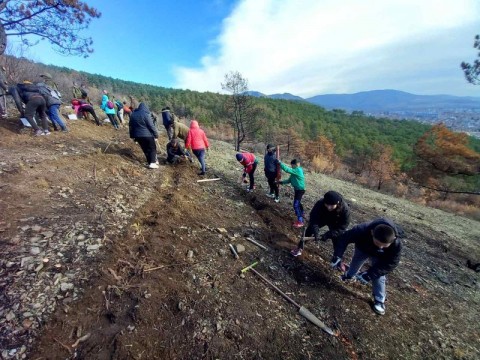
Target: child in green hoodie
297 180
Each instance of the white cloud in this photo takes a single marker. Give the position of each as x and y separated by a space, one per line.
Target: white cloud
309 47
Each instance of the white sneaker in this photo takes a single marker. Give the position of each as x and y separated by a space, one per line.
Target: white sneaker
379 308
270 195
277 200
153 166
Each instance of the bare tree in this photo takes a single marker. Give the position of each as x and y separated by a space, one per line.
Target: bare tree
58 21
240 108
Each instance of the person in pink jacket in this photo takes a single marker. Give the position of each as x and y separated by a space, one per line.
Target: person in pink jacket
197 141
249 162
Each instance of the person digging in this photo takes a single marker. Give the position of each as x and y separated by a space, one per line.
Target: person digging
331 211
297 180
377 240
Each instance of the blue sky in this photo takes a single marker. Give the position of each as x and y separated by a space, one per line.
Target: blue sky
305 47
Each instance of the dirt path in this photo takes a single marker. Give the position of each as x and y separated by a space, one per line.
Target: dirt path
145 271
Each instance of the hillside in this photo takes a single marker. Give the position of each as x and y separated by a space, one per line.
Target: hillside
139 264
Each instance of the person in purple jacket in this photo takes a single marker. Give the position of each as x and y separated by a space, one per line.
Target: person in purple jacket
379 241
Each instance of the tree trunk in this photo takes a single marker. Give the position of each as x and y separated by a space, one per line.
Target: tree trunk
3 39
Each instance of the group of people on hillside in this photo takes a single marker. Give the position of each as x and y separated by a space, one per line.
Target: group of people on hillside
41 101
144 131
377 240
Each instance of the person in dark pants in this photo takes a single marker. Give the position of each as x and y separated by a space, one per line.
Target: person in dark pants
81 107
175 152
331 211
379 241
34 102
144 132
167 118
297 180
249 162
271 172
197 142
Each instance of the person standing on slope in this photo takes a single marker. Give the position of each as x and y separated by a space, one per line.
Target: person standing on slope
109 108
197 142
377 240
270 170
249 162
331 211
297 180
144 132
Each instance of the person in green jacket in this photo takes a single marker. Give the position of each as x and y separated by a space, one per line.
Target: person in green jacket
297 180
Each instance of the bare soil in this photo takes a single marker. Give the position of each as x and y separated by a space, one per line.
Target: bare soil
139 265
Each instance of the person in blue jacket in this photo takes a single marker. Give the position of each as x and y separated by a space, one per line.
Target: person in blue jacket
379 241
270 170
110 111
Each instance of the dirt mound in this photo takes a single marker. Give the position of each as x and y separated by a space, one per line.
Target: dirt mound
139 265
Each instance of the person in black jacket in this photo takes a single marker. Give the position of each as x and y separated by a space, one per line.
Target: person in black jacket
271 172
175 152
168 120
331 211
35 104
143 131
377 240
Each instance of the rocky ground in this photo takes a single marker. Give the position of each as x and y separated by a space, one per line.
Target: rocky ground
105 259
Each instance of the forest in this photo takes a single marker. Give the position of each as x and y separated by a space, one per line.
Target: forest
403 157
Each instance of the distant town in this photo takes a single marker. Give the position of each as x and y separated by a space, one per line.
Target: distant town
463 120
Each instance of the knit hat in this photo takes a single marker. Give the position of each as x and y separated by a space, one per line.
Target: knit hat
270 146
239 157
332 197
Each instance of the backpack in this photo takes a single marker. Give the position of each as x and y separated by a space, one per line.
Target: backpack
110 104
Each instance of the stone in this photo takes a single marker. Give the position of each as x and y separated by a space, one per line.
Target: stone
190 254
66 286
222 230
25 261
47 234
240 248
36 228
81 237
35 250
92 247
10 316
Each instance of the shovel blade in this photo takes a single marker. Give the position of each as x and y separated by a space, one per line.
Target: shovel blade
314 320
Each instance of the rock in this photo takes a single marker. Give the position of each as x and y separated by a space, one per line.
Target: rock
9 264
27 323
10 316
240 248
219 326
25 261
35 250
190 254
92 247
47 234
222 230
66 286
81 237
181 306
130 327
36 228
222 252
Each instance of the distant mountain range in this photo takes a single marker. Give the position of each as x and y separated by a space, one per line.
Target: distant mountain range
377 101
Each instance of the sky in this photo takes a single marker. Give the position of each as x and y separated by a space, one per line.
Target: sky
303 47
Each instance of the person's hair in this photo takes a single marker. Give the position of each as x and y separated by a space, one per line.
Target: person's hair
295 162
384 233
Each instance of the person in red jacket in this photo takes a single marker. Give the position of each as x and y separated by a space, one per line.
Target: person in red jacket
197 141
249 163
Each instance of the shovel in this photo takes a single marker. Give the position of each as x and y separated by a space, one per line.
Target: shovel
302 310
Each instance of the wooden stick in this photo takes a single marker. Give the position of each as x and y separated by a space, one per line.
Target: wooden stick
256 243
204 180
104 151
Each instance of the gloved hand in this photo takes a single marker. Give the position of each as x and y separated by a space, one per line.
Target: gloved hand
276 161
363 278
316 232
335 262
326 236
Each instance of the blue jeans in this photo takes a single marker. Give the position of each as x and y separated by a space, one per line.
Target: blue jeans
297 204
200 154
52 113
378 285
